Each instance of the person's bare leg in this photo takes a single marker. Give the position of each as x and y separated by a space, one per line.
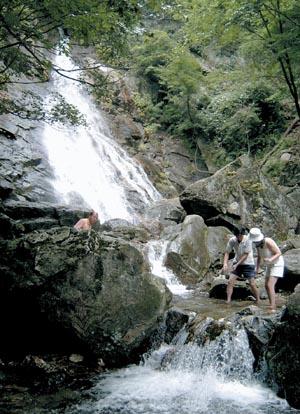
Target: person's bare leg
270 287
254 289
230 285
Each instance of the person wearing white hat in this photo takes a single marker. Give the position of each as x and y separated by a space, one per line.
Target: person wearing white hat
268 252
243 262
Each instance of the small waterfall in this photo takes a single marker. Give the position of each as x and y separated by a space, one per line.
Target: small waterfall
91 169
156 253
187 379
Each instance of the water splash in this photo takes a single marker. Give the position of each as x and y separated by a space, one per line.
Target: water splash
197 380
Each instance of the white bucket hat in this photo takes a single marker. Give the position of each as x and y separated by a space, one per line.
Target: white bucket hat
255 235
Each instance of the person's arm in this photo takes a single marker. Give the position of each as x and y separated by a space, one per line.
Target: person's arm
273 249
79 224
241 261
225 262
258 262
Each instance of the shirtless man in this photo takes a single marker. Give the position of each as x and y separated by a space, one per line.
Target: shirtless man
86 223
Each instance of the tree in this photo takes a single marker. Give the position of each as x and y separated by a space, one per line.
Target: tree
29 33
182 78
270 27
174 75
277 25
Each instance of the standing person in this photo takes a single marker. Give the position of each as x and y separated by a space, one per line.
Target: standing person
270 254
243 262
86 223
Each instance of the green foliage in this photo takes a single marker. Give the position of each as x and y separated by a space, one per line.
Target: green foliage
244 119
26 25
218 70
218 76
63 112
154 52
182 74
271 28
29 30
174 76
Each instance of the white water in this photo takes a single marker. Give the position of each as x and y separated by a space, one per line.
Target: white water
188 379
157 253
91 169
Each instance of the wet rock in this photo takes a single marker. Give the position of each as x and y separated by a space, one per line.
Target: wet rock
167 212
176 319
241 290
283 352
195 252
291 272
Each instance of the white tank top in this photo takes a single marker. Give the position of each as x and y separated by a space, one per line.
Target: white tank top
266 253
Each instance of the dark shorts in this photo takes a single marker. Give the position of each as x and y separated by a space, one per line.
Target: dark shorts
245 271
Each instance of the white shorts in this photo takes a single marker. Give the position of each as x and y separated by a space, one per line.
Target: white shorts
276 271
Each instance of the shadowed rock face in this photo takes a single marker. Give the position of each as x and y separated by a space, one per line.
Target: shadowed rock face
84 291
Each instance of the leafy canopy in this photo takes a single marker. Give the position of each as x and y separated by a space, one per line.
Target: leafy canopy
271 28
29 32
226 71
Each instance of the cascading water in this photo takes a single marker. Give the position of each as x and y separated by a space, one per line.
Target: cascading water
157 253
186 379
91 170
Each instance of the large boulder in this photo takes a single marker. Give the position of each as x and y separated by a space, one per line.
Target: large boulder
239 194
195 251
78 291
166 211
25 173
291 272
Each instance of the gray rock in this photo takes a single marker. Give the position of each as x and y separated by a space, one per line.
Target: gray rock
97 290
238 194
283 353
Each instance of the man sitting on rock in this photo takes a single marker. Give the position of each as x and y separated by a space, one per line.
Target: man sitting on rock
243 262
86 223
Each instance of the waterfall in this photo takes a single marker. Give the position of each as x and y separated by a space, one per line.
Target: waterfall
91 170
187 379
157 252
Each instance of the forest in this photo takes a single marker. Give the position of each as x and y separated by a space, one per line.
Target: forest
223 71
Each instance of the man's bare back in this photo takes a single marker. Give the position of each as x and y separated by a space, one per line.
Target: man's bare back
86 223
